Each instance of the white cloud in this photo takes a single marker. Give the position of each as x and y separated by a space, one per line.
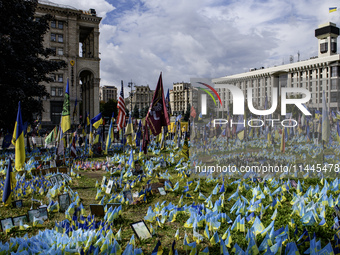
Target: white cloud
208 38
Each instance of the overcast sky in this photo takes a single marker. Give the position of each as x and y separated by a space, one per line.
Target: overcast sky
201 39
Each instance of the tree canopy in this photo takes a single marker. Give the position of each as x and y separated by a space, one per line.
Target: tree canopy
107 108
24 62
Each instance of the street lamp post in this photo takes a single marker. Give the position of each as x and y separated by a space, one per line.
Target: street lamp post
130 85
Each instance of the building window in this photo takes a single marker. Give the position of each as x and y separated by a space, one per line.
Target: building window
334 71
56 110
324 47
60 24
333 45
53 77
334 84
56 92
53 37
60 38
53 24
60 51
60 78
334 97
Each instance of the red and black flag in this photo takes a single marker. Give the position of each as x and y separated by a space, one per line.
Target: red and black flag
157 116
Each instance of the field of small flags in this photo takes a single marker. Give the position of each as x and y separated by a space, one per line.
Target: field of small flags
207 214
290 211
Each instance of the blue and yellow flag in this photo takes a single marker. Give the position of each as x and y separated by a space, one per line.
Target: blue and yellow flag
65 115
18 141
129 131
158 250
87 119
97 121
317 114
332 9
110 135
185 150
9 183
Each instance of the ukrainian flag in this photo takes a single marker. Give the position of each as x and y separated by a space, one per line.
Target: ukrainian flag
65 115
214 239
87 119
9 185
332 9
97 121
317 114
158 250
129 131
19 141
131 161
185 150
110 136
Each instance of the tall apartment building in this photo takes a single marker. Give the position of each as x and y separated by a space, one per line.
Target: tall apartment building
141 96
74 35
107 93
181 98
316 74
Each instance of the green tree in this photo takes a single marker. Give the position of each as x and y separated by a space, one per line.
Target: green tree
135 113
24 62
144 112
107 108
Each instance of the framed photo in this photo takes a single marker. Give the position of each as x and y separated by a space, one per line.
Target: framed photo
162 191
103 181
40 213
67 177
97 210
17 204
53 163
64 202
6 223
109 187
33 213
60 178
53 180
128 195
43 214
16 220
141 230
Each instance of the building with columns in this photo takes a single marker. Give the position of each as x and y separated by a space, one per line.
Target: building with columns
74 35
316 74
107 93
141 96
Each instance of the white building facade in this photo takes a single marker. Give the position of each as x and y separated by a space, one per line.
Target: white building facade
317 74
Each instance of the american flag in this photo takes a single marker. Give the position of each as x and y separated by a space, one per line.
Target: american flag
121 110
